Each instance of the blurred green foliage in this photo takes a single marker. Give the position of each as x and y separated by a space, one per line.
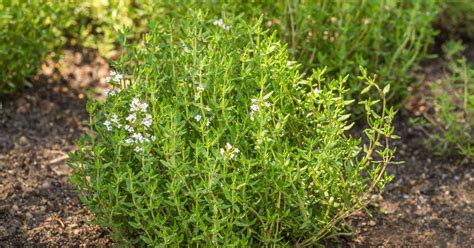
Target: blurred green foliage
456 19
30 31
450 126
388 37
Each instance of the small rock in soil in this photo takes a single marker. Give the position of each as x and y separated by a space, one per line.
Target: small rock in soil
3 233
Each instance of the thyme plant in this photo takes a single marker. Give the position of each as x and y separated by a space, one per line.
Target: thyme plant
450 126
212 136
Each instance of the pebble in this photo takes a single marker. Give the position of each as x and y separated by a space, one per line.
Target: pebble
29 215
372 223
3 233
45 185
22 140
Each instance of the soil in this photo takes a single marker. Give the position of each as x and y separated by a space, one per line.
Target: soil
38 126
429 203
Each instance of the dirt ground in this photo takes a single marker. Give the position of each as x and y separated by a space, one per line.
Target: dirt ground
38 126
429 203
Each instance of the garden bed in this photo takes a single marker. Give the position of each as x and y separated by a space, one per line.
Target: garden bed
430 201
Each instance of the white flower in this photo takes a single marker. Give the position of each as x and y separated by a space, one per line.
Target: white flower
116 121
198 118
255 107
136 106
129 129
138 149
106 92
316 91
200 88
114 76
220 23
138 137
229 151
108 125
208 123
135 101
128 141
132 117
143 106
147 121
153 138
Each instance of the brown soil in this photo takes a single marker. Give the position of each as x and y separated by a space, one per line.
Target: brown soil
429 203
431 200
38 126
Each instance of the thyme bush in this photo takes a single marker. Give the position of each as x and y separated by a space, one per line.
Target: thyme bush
213 137
31 30
450 125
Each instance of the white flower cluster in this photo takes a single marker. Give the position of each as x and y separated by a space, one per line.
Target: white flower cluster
198 118
221 24
108 92
137 106
138 118
255 107
114 77
113 120
229 151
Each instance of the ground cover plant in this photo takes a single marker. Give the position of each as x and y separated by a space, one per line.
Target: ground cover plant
30 32
450 125
212 136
